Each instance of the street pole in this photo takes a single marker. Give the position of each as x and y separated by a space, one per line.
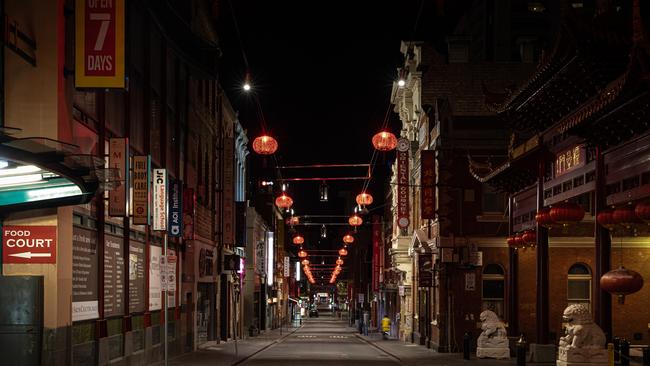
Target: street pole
165 297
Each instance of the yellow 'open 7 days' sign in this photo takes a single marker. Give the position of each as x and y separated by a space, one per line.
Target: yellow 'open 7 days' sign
99 47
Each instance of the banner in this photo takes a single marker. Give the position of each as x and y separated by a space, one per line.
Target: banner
99 44
376 240
175 227
118 158
428 182
160 199
403 183
140 203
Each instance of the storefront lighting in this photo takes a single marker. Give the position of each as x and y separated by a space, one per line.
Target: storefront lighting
323 232
323 192
54 192
297 271
13 180
270 258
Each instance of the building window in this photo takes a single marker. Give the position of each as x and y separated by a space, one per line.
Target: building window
493 288
579 285
493 201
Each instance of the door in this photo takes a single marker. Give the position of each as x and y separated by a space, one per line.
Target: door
21 319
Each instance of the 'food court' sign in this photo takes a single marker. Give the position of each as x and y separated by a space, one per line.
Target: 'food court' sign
29 244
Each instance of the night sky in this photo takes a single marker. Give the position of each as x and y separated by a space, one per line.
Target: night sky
322 72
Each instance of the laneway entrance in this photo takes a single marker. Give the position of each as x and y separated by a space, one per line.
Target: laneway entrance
205 321
21 319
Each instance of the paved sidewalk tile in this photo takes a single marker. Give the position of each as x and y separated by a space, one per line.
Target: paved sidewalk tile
227 353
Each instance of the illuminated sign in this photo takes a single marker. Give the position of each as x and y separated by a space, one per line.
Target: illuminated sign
428 182
569 160
160 199
402 183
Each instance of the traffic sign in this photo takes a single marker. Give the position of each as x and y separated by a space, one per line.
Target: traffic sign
29 244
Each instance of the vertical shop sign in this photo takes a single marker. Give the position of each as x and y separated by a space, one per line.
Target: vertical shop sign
85 265
376 239
160 199
229 192
141 166
118 158
428 180
99 35
403 183
175 227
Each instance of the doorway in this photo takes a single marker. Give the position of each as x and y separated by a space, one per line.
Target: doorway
21 319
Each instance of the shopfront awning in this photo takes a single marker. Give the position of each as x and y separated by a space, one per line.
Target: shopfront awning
37 172
421 240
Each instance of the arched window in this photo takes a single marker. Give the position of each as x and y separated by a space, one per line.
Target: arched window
579 285
493 288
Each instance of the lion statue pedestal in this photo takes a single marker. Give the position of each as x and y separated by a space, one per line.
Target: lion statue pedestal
584 342
493 341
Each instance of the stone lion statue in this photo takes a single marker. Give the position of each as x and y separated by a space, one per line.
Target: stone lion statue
494 332
581 332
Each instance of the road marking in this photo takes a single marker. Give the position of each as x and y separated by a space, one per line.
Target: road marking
339 337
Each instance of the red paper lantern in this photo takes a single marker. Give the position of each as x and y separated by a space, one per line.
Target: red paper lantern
384 141
642 211
338 267
529 237
302 254
511 242
519 241
343 252
364 199
265 145
625 216
621 282
298 239
283 201
305 262
355 220
543 218
348 239
339 261
606 219
567 213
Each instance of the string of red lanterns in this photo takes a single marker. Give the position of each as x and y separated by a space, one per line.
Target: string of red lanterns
284 201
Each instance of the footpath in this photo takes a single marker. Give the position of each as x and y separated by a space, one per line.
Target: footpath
231 353
410 354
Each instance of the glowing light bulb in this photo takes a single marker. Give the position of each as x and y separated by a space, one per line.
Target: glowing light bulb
401 83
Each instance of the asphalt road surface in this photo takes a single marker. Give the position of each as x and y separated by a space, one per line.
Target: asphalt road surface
322 341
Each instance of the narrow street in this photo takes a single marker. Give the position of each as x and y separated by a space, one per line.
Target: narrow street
323 341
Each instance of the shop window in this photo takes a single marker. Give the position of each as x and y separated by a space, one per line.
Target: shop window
493 288
579 285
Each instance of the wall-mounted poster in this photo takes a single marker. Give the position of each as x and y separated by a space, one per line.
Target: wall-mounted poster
155 294
137 281
113 275
85 264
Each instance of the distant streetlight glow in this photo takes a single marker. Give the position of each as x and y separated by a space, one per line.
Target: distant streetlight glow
247 86
401 83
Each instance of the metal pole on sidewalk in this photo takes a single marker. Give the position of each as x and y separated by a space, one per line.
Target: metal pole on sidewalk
164 292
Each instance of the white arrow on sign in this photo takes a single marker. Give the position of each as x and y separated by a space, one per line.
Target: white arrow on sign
30 255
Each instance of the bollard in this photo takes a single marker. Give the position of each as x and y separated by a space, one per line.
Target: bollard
625 353
610 354
646 356
617 349
521 351
466 343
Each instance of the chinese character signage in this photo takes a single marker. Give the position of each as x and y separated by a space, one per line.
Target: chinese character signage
99 58
569 160
175 227
160 199
428 183
403 183
140 190
118 159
